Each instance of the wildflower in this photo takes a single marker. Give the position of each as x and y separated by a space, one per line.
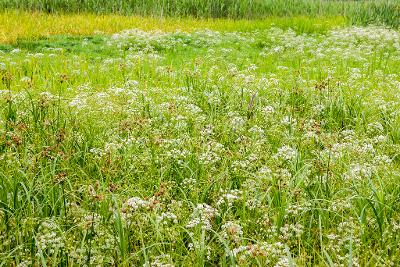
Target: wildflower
229 197
167 217
268 110
232 231
202 215
164 260
286 153
359 171
135 203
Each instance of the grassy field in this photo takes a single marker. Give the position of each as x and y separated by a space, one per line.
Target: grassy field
156 141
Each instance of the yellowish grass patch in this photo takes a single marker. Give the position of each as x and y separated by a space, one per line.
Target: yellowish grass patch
28 25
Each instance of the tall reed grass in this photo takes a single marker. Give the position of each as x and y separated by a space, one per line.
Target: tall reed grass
360 12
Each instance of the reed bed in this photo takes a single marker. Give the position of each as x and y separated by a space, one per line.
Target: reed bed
358 12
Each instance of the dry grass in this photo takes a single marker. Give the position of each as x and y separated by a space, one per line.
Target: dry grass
26 25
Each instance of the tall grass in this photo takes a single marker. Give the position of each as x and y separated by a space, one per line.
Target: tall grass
21 25
359 12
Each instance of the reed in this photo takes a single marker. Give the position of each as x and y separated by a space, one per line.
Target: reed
358 12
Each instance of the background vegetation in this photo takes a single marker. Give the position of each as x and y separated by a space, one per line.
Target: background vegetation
358 12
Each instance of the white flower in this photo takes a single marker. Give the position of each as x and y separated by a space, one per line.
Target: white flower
268 110
359 171
286 153
135 203
237 122
164 260
288 121
232 230
167 217
202 216
229 197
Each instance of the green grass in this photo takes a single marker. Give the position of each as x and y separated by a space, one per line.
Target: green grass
250 148
361 12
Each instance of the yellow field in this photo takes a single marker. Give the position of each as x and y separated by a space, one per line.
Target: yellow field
27 25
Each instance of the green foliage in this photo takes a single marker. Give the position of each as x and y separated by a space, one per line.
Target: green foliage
360 12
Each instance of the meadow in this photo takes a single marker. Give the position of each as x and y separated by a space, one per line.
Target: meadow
185 141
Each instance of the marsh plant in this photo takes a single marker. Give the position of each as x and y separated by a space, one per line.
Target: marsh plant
360 12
